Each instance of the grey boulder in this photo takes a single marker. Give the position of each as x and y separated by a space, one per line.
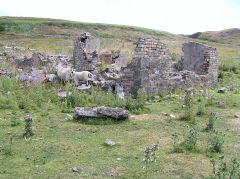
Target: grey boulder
222 90
100 112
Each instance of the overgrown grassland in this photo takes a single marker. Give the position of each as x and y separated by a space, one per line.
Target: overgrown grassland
59 144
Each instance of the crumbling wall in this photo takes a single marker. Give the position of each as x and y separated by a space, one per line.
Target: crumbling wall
85 53
202 60
153 70
151 64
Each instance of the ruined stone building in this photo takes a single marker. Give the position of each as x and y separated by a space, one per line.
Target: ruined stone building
152 68
85 52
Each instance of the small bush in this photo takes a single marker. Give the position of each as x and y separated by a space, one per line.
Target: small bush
136 105
149 159
212 117
216 141
28 126
188 110
222 169
189 142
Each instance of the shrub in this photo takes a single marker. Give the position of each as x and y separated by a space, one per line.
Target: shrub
150 158
28 126
222 169
189 142
188 110
216 141
190 139
212 117
136 105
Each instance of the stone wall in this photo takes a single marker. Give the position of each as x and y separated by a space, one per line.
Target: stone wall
151 64
153 70
85 53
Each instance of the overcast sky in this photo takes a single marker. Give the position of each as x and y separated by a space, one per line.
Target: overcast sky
175 16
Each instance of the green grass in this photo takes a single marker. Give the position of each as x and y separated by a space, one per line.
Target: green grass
28 26
60 144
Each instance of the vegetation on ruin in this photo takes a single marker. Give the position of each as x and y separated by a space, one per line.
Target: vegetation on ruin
185 148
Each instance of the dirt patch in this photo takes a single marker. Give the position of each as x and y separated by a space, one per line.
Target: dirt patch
144 117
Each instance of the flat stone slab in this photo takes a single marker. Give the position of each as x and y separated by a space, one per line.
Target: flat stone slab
100 112
84 87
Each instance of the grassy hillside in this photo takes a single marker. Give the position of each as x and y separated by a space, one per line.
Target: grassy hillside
228 36
40 26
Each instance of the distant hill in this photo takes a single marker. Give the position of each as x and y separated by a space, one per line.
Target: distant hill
29 26
228 36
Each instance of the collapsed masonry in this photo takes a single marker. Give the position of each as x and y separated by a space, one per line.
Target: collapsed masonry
154 71
152 68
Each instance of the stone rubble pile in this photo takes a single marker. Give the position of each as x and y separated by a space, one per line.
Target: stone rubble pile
151 69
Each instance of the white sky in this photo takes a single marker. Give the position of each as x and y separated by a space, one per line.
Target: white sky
175 16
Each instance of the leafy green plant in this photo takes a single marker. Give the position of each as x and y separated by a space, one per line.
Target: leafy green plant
212 117
188 103
149 158
216 141
222 170
189 143
190 139
28 126
136 105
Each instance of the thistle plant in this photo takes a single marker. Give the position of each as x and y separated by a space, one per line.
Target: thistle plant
149 158
189 143
28 126
211 120
150 154
216 141
222 169
188 103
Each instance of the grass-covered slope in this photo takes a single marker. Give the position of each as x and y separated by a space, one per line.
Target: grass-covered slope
40 26
228 36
